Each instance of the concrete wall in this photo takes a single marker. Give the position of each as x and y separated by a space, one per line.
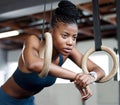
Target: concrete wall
67 94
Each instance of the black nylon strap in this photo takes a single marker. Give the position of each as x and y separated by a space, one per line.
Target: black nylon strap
44 16
118 36
118 23
51 13
96 25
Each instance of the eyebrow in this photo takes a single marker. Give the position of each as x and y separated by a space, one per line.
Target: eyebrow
70 34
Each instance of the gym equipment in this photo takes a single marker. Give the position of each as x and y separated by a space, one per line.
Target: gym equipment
99 46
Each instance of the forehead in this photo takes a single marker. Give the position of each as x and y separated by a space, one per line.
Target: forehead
67 27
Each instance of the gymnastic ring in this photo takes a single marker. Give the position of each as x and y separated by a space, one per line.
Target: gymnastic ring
115 66
47 54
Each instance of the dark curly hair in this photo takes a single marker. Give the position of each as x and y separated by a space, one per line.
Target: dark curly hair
66 12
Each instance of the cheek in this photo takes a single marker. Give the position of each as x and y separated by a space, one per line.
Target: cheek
58 42
74 44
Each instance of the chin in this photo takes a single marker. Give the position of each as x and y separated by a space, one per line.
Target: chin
65 54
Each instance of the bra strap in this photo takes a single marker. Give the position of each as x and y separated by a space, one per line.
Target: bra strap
61 60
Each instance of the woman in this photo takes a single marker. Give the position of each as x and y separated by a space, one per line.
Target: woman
20 88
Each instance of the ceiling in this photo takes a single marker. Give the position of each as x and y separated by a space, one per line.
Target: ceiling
28 18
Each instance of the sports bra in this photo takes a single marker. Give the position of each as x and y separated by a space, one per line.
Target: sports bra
32 82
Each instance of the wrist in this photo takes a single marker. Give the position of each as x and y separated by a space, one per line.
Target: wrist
93 74
74 77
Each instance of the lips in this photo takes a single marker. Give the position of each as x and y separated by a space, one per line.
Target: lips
67 50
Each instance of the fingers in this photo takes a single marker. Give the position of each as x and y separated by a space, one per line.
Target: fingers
84 80
78 79
87 93
81 82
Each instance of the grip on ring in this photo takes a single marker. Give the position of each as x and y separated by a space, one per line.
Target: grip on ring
47 54
113 55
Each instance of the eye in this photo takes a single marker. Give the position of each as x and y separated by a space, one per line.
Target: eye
64 36
74 37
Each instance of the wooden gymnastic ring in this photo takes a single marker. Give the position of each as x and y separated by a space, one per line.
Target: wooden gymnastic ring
115 66
47 54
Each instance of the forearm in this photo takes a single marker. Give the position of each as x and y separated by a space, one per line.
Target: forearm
60 72
99 73
54 70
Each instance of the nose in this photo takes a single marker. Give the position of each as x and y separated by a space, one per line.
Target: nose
70 41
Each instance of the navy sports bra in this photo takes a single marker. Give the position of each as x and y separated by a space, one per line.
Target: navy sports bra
32 82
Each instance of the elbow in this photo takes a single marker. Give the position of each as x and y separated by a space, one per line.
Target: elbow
30 66
34 66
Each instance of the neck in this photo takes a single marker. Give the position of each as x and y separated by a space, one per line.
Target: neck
55 54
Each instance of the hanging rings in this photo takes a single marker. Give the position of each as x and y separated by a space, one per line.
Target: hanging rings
115 65
46 51
47 54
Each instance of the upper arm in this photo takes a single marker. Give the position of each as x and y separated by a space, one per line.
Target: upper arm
77 56
30 50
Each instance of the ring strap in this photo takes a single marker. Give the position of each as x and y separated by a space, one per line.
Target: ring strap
96 25
118 36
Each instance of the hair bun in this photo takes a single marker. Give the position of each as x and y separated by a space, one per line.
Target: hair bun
67 8
66 4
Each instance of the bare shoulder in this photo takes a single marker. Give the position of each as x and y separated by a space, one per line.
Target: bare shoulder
32 40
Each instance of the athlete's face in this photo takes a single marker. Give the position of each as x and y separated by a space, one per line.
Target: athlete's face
64 37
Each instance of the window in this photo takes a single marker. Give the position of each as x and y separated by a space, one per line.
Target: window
2 77
11 68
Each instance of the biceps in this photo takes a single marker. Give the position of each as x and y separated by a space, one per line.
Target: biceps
29 56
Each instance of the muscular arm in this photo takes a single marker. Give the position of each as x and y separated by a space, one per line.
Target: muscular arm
30 54
33 62
76 56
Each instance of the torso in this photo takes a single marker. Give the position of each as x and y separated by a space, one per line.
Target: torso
14 90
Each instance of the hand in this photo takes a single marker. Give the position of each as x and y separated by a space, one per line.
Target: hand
85 92
83 80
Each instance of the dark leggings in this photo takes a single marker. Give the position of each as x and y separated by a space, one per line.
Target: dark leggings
8 100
